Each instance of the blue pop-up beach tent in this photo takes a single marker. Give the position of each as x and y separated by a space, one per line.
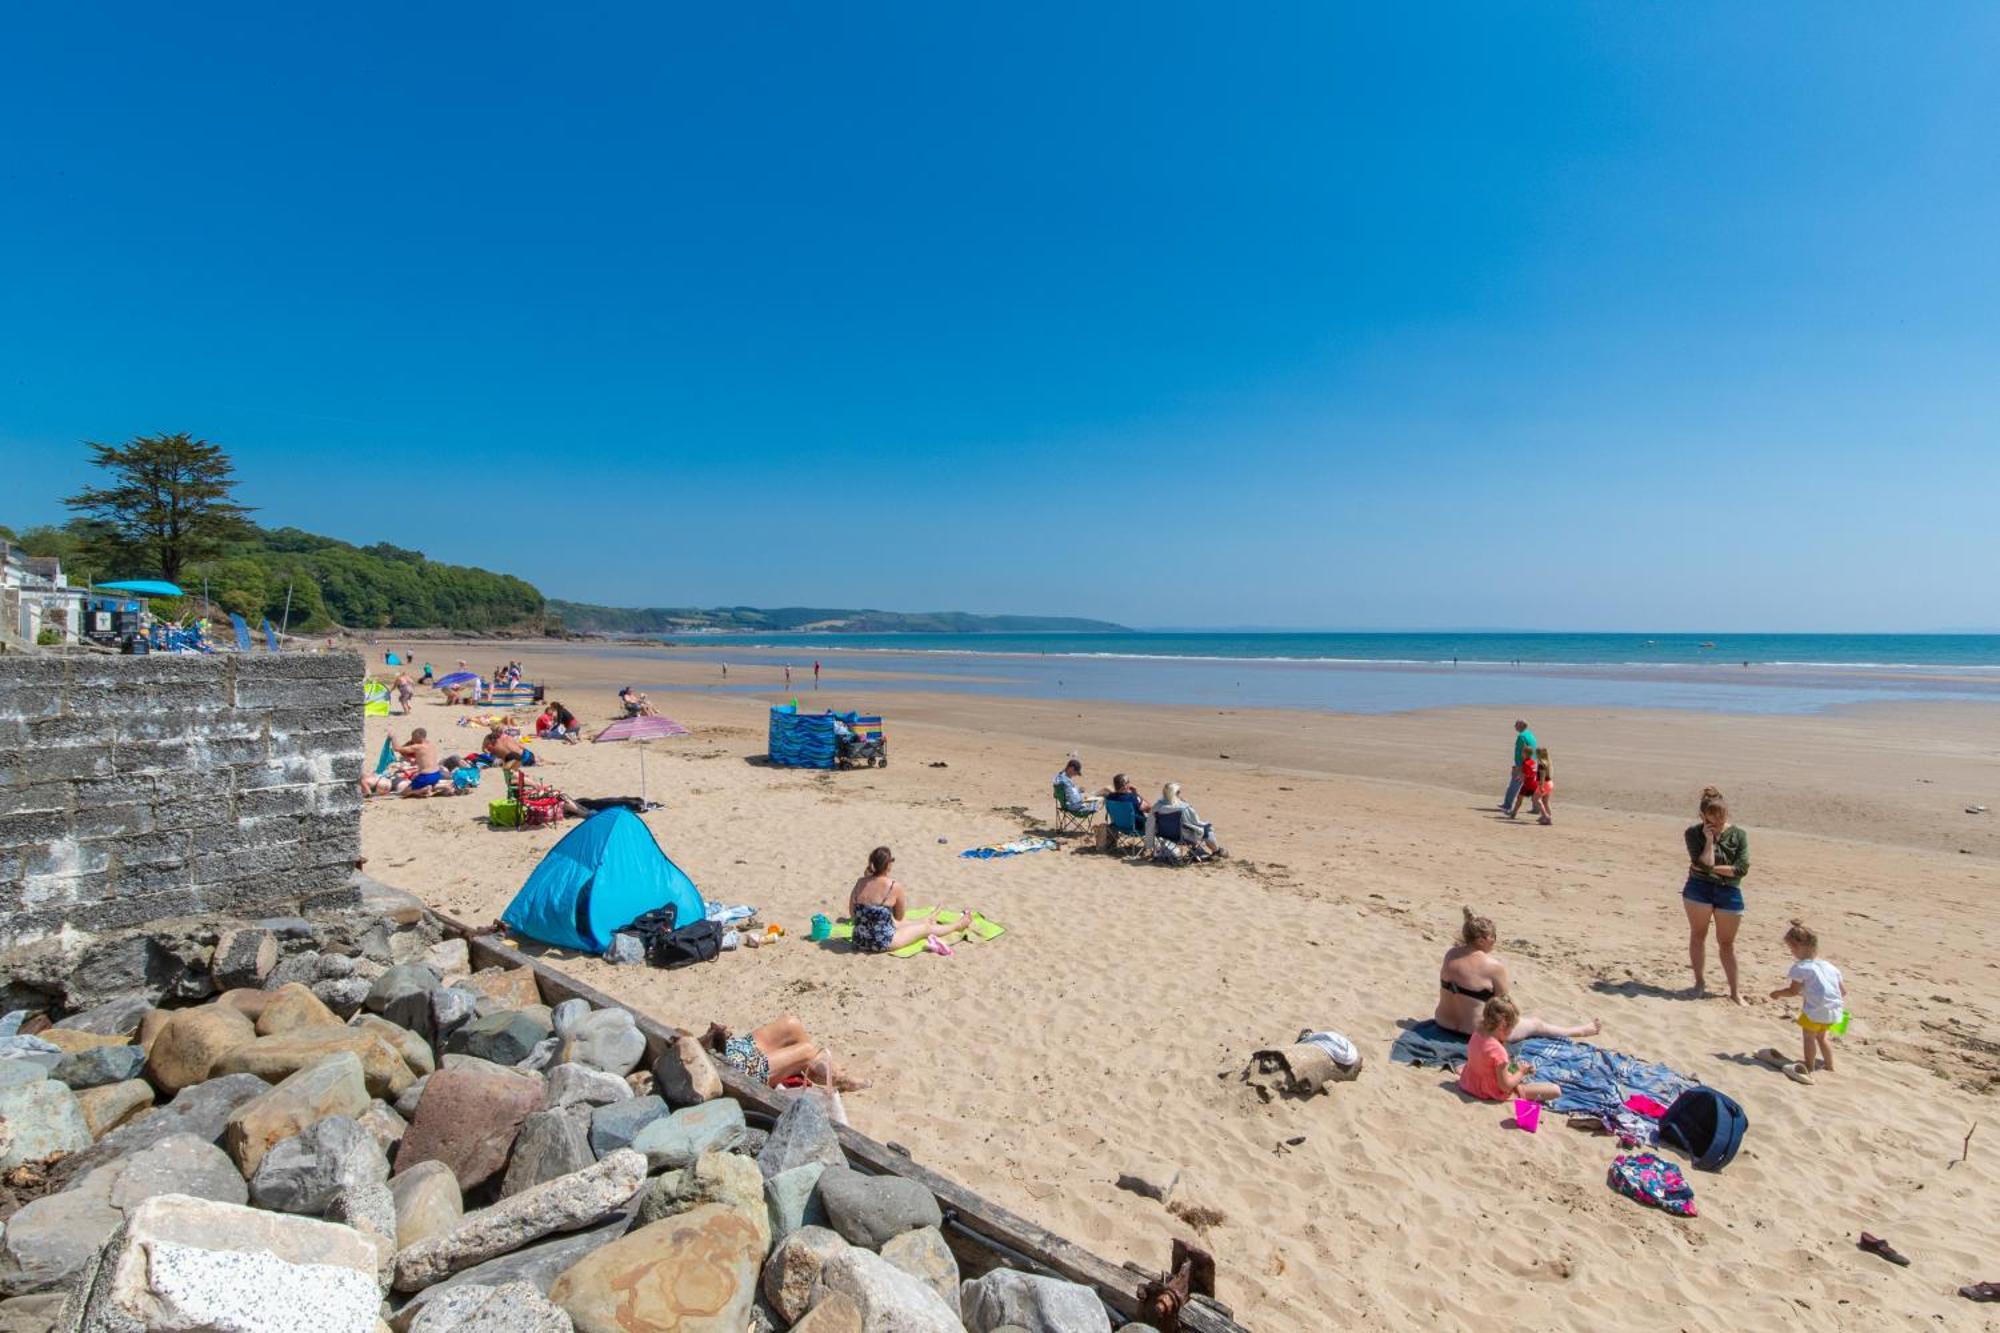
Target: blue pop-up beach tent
603 875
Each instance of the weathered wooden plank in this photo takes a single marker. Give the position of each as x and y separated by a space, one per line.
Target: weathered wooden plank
1118 1287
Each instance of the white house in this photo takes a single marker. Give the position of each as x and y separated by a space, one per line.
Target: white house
34 597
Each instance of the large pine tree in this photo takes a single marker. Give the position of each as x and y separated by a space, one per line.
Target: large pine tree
169 503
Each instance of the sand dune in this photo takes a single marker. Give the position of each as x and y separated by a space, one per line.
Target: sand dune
1112 1020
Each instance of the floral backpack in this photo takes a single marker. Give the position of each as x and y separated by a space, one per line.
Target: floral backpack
1652 1181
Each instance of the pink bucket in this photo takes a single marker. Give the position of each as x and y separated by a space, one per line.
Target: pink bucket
1527 1114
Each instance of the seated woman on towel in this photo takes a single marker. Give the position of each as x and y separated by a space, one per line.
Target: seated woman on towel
1472 974
876 905
773 1053
1194 833
636 704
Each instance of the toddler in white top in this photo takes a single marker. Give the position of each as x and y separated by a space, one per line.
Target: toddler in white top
1822 995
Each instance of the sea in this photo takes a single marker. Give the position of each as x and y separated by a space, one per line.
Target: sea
1392 672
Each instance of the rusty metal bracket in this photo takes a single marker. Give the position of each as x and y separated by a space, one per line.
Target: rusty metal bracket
1161 1300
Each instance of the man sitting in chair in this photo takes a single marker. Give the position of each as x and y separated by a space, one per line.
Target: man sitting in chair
1123 790
1073 799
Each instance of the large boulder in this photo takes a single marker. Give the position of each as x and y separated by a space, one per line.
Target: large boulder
715 1177
694 1273
686 1074
574 1201
293 1006
332 1087
607 1039
506 1037
510 987
38 1118
343 996
99 1067
416 1054
1007 1298
54 1236
71 1040
568 1014
792 1272
191 1041
106 1108
513 1307
870 1211
403 996
428 1203
680 1138
802 1134
243 957
550 1144
924 1255
615 1126
303 1173
116 1017
201 1111
539 1265
381 1120
889 1298
370 1209
580 1085
791 1199
468 1120
282 1054
187 1263
450 1009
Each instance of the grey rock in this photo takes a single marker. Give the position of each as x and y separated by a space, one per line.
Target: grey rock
685 1074
334 967
889 1298
792 1271
872 1210
792 1200
201 1110
99 1066
428 1202
550 1144
574 1201
39 1118
566 1014
539 1265
583 1086
680 1138
32 1314
450 1009
243 958
752 1142
10 1022
505 1037
716 1177
402 995
383 1121
802 1134
924 1255
515 1307
616 1125
1037 1304
33 1050
607 1039
53 1237
13 1072
374 943
116 1017
287 927
371 1210
301 1174
344 995
406 1103
166 962
301 967
626 948
541 1057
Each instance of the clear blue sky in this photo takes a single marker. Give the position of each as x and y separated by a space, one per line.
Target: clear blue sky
1593 316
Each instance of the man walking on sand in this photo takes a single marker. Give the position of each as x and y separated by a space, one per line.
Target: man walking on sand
815 673
1524 744
788 675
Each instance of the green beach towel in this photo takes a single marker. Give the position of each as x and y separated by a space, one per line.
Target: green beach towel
982 927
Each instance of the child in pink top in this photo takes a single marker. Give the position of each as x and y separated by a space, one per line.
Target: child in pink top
1488 1074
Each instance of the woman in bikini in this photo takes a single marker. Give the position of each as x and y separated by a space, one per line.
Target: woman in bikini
773 1053
876 906
1472 974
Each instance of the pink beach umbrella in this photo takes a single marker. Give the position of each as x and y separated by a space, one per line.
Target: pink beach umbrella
640 729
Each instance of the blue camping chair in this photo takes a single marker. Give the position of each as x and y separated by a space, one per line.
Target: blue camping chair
1126 822
1069 818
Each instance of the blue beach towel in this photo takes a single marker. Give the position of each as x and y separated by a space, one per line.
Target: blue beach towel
1014 848
1596 1081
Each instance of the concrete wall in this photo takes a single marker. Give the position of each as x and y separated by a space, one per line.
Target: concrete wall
138 788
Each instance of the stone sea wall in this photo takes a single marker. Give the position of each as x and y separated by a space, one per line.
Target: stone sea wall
135 789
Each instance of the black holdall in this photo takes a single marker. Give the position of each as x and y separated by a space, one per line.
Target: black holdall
697 943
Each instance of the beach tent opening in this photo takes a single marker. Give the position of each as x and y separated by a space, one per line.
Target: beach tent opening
605 873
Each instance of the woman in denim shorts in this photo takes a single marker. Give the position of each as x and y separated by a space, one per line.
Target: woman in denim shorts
1718 859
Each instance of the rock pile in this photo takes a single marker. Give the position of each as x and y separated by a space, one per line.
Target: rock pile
342 1127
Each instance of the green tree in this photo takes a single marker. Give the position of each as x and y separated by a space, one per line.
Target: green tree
169 503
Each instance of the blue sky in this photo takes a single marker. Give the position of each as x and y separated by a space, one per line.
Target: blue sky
1594 316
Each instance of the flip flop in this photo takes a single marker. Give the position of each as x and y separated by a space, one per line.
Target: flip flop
939 947
1791 1069
1876 1245
1981 1291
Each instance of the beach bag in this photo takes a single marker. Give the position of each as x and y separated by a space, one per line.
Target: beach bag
696 943
503 814
465 779
1706 1125
1653 1182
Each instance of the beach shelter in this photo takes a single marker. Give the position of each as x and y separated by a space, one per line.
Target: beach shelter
603 875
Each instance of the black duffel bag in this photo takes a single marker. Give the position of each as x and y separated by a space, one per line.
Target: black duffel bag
697 943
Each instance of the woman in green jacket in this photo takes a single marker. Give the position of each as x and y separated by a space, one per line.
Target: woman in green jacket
1718 859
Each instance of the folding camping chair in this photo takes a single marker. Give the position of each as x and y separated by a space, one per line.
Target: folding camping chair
1126 822
1069 819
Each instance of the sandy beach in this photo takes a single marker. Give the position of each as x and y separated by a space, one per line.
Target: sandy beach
1112 1019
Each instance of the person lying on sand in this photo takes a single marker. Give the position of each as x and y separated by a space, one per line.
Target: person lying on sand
386 784
876 905
773 1053
1488 1073
1472 976
422 751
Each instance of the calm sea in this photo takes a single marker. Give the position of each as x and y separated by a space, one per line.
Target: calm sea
1377 673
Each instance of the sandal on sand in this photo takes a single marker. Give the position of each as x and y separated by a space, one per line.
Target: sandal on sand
1876 1245
1791 1069
1981 1291
939 947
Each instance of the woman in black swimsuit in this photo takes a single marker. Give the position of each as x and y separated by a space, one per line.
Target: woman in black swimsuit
1471 975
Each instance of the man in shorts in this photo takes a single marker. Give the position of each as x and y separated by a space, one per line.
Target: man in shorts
422 751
